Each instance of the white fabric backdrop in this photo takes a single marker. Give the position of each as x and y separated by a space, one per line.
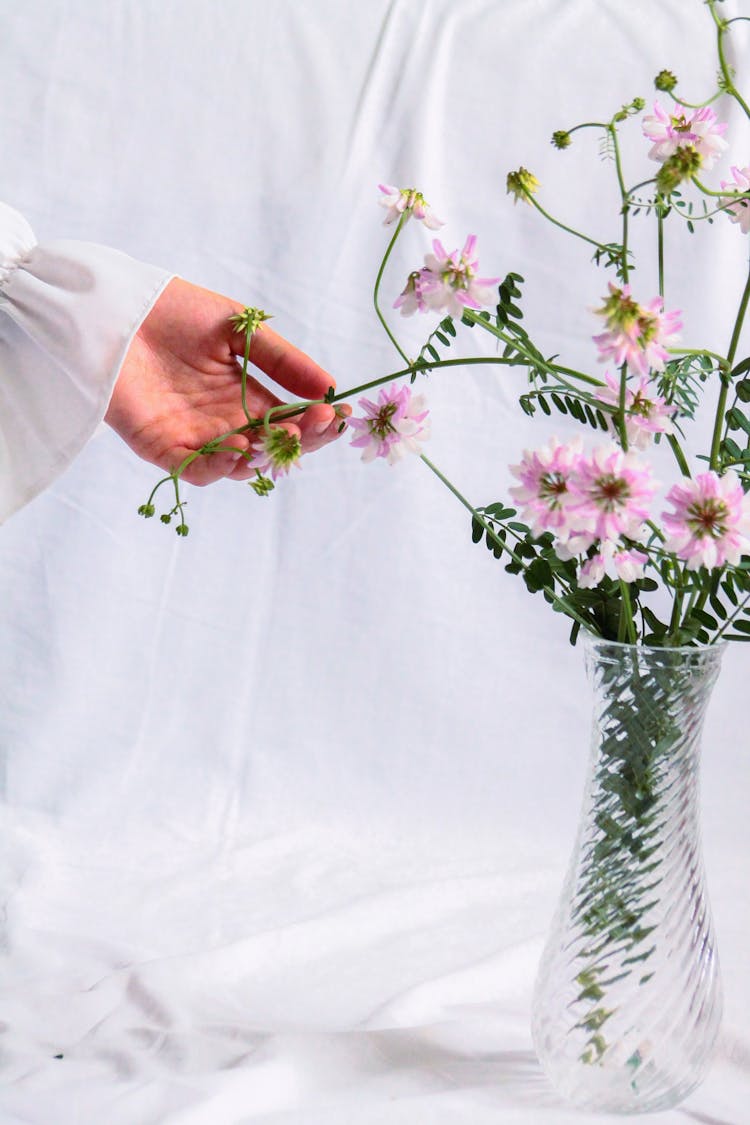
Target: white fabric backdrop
288 803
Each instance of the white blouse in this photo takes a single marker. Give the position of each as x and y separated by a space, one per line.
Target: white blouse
68 312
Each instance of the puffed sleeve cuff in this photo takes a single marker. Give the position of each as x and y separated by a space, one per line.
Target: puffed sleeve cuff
68 312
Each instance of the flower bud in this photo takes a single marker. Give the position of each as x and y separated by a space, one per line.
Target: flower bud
146 510
665 81
182 529
166 518
561 138
681 165
262 485
521 184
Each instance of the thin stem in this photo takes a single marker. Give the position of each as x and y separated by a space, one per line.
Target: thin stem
731 619
660 247
622 427
725 379
626 625
625 201
676 448
245 361
378 280
729 87
561 603
563 226
534 360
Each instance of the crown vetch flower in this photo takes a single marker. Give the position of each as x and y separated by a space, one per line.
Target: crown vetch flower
710 524
738 210
626 565
523 183
411 299
680 166
275 451
647 413
450 281
407 201
392 426
698 128
544 492
636 334
612 491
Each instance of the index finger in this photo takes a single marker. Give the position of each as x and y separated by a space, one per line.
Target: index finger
291 368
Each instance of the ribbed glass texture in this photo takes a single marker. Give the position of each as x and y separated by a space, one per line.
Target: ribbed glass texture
627 1003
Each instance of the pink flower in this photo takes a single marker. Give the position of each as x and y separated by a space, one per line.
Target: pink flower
625 565
636 334
277 450
697 128
450 282
544 492
739 210
392 426
612 490
407 201
411 298
647 413
710 524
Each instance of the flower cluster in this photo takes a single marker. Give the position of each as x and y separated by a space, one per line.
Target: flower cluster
636 335
392 426
597 506
698 130
447 282
585 499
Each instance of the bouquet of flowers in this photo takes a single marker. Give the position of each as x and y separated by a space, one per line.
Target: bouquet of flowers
583 527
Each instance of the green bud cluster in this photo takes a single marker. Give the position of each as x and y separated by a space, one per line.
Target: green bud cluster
681 165
261 486
561 138
665 81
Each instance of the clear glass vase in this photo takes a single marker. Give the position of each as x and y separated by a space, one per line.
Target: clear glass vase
627 1002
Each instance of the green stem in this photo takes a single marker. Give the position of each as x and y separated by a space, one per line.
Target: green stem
563 226
676 448
626 625
621 408
245 361
660 246
729 87
561 603
725 379
534 360
731 619
625 201
376 291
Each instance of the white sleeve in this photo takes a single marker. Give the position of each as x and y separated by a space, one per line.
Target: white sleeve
68 312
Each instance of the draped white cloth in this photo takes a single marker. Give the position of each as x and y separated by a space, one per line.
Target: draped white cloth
287 804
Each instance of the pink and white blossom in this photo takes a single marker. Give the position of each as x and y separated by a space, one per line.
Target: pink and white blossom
613 492
699 129
411 299
739 209
647 413
710 524
450 282
636 334
544 492
392 426
407 201
626 565
275 451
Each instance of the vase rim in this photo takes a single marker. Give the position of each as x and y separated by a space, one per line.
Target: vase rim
591 640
